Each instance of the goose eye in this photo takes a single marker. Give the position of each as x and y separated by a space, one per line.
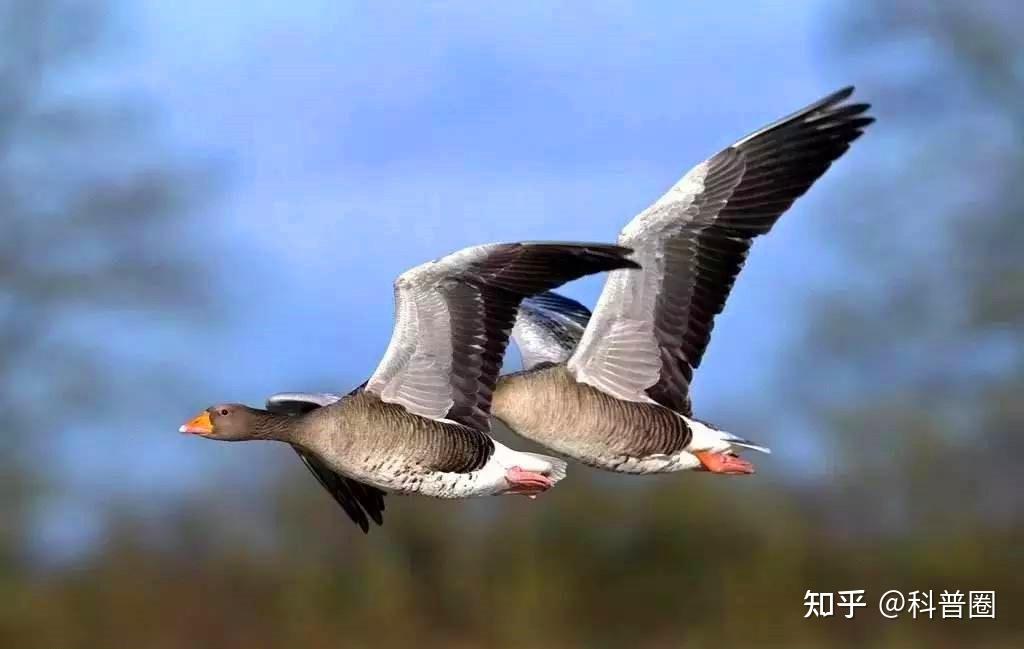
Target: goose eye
223 412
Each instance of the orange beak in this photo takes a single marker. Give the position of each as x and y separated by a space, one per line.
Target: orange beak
201 425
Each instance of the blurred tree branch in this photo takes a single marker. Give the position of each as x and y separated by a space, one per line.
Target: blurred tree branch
910 362
89 203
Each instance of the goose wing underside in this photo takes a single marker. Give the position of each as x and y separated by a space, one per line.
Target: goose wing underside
548 328
650 328
454 316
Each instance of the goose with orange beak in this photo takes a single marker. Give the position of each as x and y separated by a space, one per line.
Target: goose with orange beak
420 424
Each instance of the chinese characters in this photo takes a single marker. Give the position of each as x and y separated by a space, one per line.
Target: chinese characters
894 604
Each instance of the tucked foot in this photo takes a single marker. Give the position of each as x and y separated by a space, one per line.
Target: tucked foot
727 463
527 483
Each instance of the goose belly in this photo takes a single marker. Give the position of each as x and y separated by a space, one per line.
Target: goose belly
385 446
400 478
488 481
657 463
577 421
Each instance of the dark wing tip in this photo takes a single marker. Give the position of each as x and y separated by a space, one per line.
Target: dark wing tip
862 122
377 517
363 524
356 499
372 500
600 248
827 109
529 267
839 95
607 255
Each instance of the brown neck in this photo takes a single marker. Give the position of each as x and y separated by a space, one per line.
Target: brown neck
275 426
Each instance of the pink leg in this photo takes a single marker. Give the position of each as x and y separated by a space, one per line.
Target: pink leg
527 483
727 463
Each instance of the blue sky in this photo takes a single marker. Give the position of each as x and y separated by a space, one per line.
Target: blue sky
360 141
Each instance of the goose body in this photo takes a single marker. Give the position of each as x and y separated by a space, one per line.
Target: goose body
548 405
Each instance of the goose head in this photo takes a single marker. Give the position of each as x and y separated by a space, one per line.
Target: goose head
232 422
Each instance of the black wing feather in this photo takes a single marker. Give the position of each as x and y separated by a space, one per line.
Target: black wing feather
748 186
558 304
548 328
483 302
360 501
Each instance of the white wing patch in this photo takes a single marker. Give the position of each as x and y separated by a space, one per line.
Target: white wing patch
546 335
619 353
414 372
535 344
665 211
626 362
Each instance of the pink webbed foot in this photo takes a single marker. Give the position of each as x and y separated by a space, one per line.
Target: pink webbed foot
726 463
527 483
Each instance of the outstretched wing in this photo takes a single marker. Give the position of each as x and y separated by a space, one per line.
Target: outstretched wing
548 327
360 501
650 328
454 315
357 499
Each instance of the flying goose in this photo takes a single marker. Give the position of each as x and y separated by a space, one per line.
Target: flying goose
547 328
420 423
620 399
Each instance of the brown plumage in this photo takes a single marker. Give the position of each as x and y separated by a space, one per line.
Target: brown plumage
368 435
548 406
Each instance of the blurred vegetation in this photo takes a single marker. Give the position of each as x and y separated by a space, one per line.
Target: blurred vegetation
87 202
911 375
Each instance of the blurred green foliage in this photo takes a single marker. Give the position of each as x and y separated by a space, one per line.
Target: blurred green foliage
912 375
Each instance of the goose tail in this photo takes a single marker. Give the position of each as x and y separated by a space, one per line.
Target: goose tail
707 437
549 466
746 443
